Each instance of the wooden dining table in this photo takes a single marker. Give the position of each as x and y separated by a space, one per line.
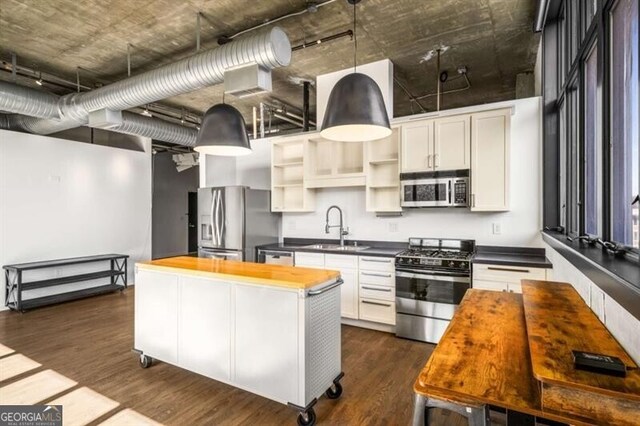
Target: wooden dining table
513 351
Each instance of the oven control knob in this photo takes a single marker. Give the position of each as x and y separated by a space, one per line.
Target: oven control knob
452 264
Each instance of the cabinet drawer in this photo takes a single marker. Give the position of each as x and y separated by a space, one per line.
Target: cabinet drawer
377 263
378 311
489 285
339 261
309 260
508 273
372 291
377 277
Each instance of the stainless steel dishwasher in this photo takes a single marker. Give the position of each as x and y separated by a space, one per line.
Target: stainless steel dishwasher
275 257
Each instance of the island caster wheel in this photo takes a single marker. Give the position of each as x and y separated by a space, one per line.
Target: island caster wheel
334 391
307 418
145 361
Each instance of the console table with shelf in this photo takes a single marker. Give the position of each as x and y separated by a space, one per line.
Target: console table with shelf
15 285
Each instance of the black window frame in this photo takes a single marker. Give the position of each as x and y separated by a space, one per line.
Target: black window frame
560 71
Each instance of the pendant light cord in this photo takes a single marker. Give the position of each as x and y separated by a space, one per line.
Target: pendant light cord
355 38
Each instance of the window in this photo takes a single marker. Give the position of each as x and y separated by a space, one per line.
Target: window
625 128
562 47
562 172
592 147
573 157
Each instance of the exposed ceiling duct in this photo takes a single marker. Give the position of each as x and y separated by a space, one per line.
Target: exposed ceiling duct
132 124
268 48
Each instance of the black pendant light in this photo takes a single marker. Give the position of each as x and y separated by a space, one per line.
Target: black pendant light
355 111
223 132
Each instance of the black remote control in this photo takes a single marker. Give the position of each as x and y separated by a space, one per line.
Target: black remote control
599 363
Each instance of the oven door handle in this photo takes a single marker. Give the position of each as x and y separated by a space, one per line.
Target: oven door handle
465 280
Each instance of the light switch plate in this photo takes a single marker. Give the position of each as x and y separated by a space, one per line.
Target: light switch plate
393 226
497 228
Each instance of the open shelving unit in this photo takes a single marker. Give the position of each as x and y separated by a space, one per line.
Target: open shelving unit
334 164
16 285
288 191
383 174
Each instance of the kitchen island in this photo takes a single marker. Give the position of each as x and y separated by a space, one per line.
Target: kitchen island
272 330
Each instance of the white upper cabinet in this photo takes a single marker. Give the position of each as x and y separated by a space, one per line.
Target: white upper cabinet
452 143
436 145
417 147
490 158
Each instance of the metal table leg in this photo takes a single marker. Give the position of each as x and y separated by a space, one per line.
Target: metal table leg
419 408
478 415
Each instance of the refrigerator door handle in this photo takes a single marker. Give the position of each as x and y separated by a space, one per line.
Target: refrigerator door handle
213 199
222 218
214 217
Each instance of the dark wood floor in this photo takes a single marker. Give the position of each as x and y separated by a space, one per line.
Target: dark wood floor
90 342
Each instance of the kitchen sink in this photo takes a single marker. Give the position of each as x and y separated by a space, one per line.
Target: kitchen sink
335 247
322 246
350 248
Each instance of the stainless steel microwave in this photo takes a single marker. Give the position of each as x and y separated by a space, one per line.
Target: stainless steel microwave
435 189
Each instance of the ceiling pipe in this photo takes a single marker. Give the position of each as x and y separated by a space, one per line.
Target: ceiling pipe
269 48
311 7
27 101
541 15
132 124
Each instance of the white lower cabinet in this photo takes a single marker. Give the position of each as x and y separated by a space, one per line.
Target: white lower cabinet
504 278
158 332
261 364
348 267
369 289
349 293
205 310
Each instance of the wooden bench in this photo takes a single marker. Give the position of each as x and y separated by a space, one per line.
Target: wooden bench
558 321
484 358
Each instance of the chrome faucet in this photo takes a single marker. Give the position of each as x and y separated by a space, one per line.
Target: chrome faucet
343 231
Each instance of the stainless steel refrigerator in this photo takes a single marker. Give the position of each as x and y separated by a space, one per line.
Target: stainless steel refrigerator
233 220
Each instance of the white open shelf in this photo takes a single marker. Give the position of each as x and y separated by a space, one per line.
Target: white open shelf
383 174
288 193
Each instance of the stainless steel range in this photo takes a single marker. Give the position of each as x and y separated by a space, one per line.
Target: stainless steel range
432 276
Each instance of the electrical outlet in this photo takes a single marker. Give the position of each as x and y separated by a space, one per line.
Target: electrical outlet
497 229
292 225
393 226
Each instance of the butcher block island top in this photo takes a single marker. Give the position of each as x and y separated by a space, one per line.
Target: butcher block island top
253 273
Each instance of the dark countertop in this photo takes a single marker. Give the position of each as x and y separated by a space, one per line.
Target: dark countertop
376 248
507 256
512 256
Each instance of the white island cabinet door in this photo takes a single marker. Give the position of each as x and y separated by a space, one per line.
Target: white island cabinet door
266 342
156 315
204 324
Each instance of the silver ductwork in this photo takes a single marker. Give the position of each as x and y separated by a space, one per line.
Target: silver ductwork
269 48
27 101
132 124
154 128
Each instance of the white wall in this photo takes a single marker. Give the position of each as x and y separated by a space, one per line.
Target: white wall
253 170
622 325
520 226
60 198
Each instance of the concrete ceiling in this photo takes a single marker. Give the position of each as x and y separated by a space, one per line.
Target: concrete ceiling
492 38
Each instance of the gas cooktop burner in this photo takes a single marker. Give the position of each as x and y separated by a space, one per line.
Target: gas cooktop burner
435 254
440 254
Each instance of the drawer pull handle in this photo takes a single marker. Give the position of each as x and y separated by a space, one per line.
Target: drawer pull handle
493 268
376 260
376 289
369 274
386 305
